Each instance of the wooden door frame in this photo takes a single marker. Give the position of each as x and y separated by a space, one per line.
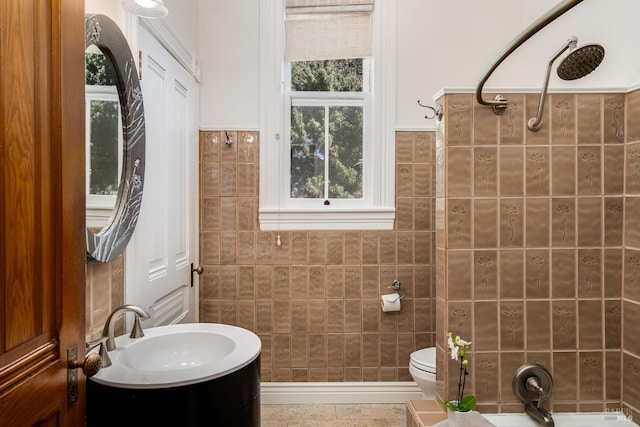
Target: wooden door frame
36 382
72 192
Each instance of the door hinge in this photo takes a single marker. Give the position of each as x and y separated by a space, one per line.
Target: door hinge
139 65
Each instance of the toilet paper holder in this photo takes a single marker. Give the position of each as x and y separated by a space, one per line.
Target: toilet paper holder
395 285
390 302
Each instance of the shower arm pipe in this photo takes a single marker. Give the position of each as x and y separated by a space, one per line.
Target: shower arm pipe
499 103
535 123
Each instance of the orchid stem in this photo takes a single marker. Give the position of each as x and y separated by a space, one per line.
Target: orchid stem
460 384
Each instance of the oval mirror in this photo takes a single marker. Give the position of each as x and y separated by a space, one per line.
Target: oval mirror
115 139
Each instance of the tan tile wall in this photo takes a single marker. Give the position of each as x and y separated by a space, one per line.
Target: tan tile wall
104 292
314 300
529 230
294 281
630 365
481 297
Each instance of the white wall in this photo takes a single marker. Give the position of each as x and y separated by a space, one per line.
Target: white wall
230 64
110 8
441 44
182 20
451 44
436 49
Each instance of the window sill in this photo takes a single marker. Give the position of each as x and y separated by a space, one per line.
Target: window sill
344 219
98 216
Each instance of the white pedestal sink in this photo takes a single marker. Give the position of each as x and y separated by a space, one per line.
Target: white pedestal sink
197 374
175 355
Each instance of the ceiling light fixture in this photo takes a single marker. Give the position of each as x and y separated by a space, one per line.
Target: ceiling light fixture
146 8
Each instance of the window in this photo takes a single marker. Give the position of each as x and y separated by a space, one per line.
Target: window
328 102
104 138
327 137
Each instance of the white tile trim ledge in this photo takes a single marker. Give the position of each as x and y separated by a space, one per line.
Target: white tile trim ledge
339 392
492 91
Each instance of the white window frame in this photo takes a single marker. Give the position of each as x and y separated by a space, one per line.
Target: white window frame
376 211
330 99
100 206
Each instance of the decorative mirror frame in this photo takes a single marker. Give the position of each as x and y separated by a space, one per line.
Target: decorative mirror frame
105 245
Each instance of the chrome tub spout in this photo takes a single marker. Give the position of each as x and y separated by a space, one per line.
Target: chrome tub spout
532 384
539 414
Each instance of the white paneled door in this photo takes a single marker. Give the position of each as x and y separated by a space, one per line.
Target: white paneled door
165 243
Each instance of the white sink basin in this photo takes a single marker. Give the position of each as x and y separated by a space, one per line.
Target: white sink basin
176 355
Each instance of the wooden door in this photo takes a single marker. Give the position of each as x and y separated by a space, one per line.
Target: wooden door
42 249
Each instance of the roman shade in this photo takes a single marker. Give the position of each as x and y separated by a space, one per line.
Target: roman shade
328 29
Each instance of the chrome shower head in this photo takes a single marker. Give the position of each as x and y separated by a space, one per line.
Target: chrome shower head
580 62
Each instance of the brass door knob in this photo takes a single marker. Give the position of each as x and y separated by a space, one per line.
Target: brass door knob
90 365
199 270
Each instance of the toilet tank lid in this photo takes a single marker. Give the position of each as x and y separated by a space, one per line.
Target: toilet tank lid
425 357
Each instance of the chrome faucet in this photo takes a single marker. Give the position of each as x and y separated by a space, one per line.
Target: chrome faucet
136 331
532 384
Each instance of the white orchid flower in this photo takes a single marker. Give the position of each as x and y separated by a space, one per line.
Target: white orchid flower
458 349
454 352
460 342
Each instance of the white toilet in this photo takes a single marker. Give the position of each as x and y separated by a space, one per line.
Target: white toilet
423 370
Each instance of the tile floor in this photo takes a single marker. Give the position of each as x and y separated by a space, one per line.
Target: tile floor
334 415
424 413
